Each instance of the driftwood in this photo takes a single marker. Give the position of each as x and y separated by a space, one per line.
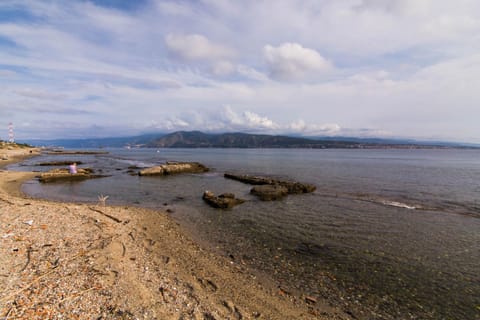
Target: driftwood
106 215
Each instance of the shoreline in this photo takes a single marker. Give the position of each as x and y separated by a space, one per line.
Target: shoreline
64 259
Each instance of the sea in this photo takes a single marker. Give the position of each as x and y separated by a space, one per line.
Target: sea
388 233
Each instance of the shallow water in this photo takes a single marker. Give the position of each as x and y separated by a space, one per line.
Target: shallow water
395 233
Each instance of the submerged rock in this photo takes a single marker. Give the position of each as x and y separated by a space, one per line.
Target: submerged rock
293 187
223 201
174 168
269 192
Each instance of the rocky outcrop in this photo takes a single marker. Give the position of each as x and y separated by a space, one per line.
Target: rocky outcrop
269 192
293 187
223 201
58 175
174 168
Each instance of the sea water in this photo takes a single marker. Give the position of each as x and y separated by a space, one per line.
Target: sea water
388 234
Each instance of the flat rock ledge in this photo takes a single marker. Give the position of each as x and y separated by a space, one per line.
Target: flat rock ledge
269 192
223 201
293 187
63 174
174 168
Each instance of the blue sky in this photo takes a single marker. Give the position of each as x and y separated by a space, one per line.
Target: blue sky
370 68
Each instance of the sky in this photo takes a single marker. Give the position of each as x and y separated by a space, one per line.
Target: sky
365 68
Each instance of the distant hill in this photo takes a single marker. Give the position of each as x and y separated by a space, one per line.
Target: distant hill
197 139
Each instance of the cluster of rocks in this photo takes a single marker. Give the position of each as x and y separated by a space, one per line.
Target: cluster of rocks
174 168
265 188
269 188
223 201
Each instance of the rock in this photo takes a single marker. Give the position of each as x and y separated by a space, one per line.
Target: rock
269 192
4 157
64 174
297 187
58 163
293 187
223 201
174 168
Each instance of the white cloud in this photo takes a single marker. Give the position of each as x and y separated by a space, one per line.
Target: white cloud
195 47
247 120
223 68
301 127
292 61
254 120
406 66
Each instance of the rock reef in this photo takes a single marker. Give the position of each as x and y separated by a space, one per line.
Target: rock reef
269 188
174 168
269 192
63 174
223 201
58 163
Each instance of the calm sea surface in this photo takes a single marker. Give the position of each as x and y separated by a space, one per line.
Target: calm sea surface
388 234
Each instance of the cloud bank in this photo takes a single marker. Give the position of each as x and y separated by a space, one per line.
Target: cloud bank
401 68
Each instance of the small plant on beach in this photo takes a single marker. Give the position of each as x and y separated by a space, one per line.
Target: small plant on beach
102 199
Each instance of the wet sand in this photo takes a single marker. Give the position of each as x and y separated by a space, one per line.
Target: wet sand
67 260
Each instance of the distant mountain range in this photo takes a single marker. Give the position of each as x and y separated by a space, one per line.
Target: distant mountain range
197 139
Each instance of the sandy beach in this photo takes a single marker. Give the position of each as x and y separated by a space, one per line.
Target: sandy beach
80 261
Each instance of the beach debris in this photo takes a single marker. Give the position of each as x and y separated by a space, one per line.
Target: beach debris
174 168
106 215
293 187
102 199
310 300
223 201
29 251
8 234
29 222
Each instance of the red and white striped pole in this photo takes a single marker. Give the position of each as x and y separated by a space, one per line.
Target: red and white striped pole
11 135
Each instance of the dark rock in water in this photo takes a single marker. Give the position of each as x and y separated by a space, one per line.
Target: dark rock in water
269 192
174 168
255 180
313 249
58 163
293 187
223 201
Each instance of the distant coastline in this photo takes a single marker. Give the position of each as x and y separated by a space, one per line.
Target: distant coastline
198 139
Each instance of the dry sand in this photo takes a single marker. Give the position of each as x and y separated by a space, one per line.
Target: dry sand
80 261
